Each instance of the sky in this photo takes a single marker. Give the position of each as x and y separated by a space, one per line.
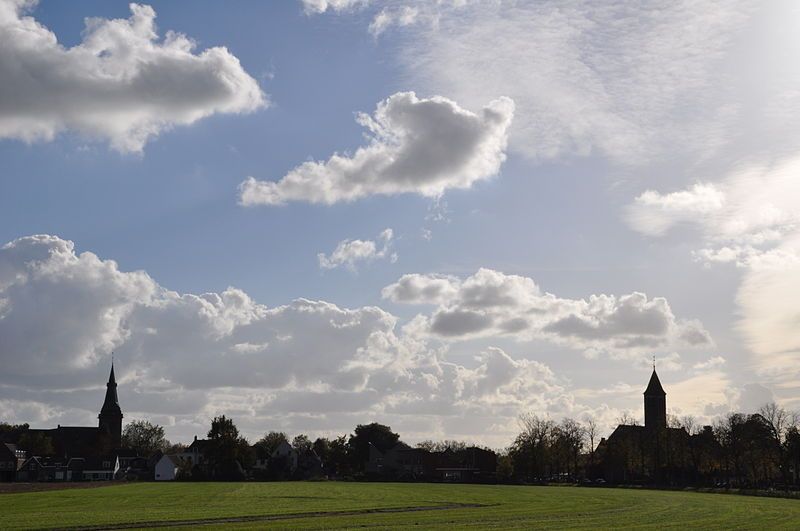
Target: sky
312 214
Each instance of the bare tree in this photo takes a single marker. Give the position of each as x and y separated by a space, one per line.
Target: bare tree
591 434
777 418
627 419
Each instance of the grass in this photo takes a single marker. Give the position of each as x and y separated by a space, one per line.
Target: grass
502 507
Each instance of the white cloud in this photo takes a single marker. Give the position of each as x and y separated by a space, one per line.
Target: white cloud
422 289
653 213
121 83
349 253
315 7
755 205
491 304
711 363
626 80
183 358
423 146
388 17
770 312
751 218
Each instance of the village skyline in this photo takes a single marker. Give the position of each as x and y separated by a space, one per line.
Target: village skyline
436 216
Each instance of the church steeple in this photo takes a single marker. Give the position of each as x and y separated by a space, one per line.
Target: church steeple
655 403
111 414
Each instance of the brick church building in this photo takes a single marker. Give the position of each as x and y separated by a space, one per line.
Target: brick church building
653 453
86 441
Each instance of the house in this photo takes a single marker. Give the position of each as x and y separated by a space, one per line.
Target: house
467 465
37 468
285 452
104 468
401 461
167 468
196 454
11 458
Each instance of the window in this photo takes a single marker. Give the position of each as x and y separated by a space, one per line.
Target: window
106 464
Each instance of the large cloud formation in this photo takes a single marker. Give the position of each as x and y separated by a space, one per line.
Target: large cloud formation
121 83
182 358
418 145
490 303
306 365
750 218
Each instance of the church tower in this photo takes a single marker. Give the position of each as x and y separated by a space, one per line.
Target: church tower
655 404
111 414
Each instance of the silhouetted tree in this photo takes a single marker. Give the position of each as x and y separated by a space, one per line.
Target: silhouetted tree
301 443
530 450
228 451
10 433
36 443
338 461
591 434
381 436
269 442
145 438
441 446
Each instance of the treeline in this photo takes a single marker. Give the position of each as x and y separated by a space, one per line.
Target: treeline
757 450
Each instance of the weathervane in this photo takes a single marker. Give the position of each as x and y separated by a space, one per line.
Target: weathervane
654 362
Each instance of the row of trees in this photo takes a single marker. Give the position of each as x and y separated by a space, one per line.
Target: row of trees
761 449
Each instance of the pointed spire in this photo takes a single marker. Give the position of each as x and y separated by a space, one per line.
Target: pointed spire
111 402
654 386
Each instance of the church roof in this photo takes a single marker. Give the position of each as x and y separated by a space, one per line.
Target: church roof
654 387
111 402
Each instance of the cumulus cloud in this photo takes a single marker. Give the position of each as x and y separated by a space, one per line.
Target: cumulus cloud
349 253
122 83
422 289
417 145
490 303
182 358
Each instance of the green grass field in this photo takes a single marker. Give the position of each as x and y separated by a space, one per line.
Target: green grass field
331 505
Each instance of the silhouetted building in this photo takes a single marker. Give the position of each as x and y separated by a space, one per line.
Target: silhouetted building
463 465
110 416
650 453
655 404
11 458
85 442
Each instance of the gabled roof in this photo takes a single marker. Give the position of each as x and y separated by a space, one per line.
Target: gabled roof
175 459
199 445
8 451
654 387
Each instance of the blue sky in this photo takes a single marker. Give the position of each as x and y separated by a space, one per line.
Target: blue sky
571 189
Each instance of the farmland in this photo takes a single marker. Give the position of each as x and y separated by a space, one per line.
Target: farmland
327 505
